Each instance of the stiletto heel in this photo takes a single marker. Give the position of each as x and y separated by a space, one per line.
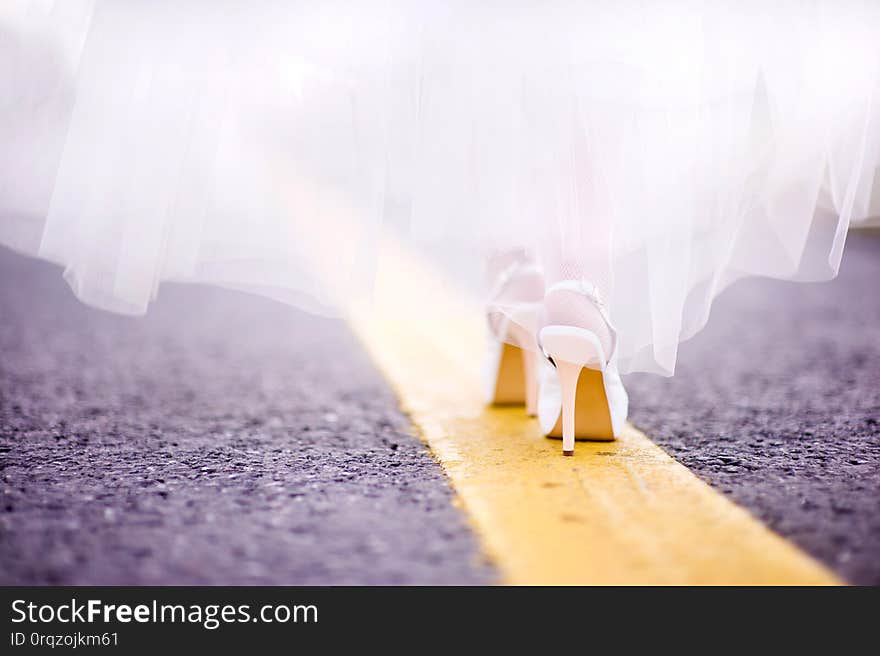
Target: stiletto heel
530 368
584 398
568 377
511 367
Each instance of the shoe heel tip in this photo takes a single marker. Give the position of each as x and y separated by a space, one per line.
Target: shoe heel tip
568 453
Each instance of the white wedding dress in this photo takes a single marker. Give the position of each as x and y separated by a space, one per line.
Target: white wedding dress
660 150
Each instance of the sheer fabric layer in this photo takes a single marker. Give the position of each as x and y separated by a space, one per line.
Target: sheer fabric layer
660 152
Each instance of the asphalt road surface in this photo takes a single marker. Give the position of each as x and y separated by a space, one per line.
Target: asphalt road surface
227 439
777 404
221 439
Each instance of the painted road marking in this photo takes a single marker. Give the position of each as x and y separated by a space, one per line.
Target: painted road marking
615 513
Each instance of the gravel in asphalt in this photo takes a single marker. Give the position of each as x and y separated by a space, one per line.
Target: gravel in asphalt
777 404
221 439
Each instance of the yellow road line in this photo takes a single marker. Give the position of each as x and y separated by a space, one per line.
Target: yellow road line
615 513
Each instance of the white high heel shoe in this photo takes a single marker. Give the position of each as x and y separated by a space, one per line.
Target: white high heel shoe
584 397
511 366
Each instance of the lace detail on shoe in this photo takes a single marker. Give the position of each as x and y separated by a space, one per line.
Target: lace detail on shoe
590 291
